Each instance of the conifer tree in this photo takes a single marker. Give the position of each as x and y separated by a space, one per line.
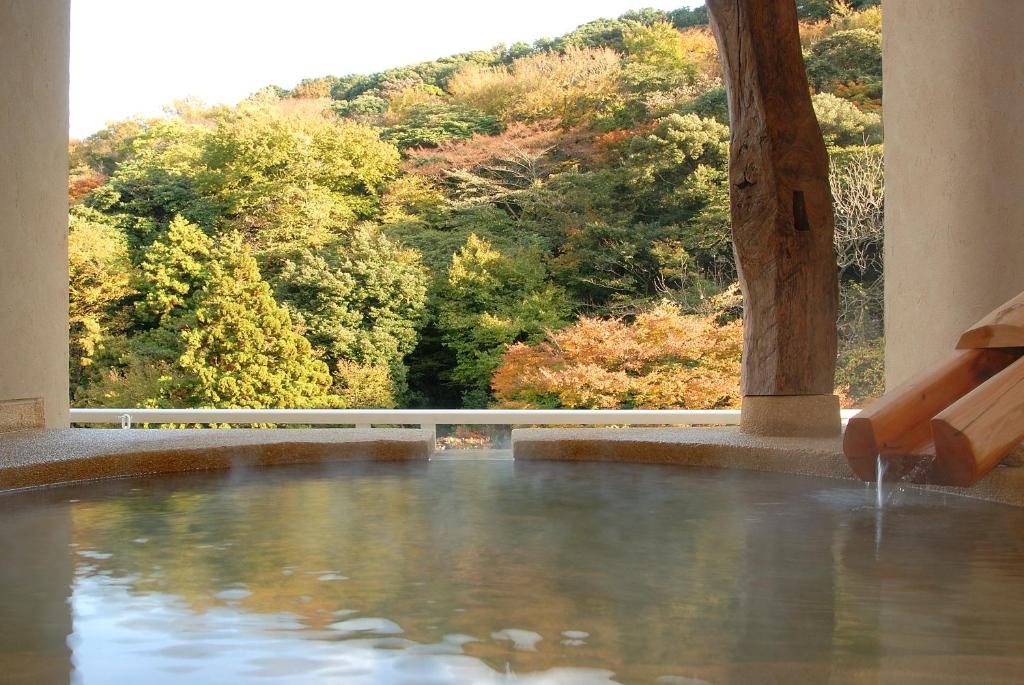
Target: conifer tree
240 348
172 270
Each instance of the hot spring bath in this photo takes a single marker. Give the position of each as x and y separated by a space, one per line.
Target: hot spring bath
487 571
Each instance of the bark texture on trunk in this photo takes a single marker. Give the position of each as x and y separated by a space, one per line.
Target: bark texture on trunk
781 205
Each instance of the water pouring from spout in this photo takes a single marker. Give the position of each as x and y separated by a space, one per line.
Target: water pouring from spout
880 468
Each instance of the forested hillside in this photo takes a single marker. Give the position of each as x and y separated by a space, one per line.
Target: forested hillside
540 225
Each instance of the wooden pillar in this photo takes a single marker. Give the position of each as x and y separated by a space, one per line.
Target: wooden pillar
781 205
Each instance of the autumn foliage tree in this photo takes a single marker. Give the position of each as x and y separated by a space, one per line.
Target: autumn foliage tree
661 359
573 86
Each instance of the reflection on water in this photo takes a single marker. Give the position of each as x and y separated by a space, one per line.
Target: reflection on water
462 572
165 638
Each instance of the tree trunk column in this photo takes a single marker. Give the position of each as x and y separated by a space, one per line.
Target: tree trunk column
782 221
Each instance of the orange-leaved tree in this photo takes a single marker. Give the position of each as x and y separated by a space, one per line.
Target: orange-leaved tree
662 359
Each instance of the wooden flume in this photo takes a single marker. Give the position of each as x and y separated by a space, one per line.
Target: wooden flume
967 412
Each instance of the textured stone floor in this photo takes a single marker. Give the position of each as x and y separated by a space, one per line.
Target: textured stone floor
42 457
728 448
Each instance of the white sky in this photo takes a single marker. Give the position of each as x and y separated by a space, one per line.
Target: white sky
135 56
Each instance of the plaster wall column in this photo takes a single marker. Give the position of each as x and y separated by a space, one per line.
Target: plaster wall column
954 162
34 49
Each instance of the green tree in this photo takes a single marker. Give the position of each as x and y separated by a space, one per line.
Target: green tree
160 180
647 16
438 238
611 265
600 33
361 300
860 371
686 17
366 106
293 172
868 16
711 104
490 302
105 149
817 9
240 348
515 51
173 269
365 385
99 282
430 124
844 57
135 381
654 225
827 9
842 123
661 166
655 59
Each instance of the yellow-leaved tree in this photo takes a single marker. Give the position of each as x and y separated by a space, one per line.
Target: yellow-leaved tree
572 87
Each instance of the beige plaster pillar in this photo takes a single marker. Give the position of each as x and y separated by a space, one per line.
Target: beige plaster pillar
34 44
954 163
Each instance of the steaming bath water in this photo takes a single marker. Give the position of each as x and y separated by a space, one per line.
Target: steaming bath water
487 572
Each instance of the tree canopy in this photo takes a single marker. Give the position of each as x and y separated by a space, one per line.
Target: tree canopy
535 224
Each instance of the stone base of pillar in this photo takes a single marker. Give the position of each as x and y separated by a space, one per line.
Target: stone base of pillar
795 416
19 415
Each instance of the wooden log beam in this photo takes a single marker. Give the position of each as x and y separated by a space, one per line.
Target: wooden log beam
980 429
899 426
1004 327
782 220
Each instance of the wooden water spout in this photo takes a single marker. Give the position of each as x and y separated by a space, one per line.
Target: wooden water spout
967 412
781 205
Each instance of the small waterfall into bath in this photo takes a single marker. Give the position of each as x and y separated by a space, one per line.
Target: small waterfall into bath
891 484
880 467
890 492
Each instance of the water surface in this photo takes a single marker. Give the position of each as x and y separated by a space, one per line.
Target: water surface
492 572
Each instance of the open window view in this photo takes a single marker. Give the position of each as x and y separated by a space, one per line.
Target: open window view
533 225
576 344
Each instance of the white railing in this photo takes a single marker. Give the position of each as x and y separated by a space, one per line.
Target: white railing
425 418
